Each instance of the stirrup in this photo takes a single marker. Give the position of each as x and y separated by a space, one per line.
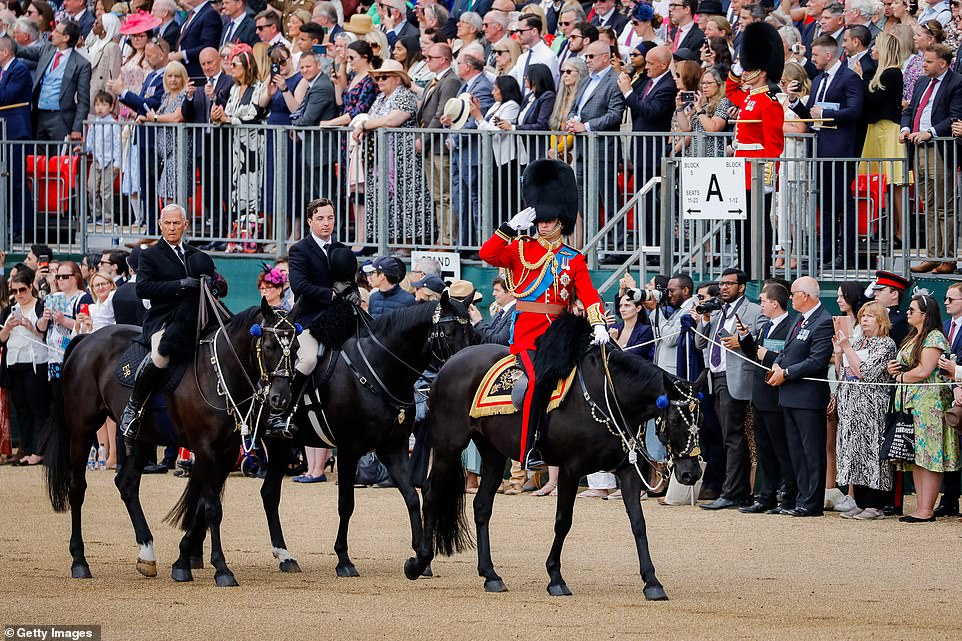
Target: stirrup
533 461
276 428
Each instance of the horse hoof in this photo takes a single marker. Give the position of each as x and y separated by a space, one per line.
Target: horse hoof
225 580
427 572
290 565
147 568
181 575
495 585
559 590
196 563
81 572
411 569
655 593
347 571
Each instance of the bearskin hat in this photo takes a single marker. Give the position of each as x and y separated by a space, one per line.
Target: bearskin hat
343 264
762 50
549 186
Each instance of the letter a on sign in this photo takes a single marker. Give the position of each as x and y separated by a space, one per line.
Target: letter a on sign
714 189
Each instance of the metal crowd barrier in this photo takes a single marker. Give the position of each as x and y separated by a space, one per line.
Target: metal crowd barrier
246 187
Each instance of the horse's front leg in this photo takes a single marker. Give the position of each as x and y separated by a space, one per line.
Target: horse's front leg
395 459
213 471
346 473
277 458
492 471
631 494
567 490
128 483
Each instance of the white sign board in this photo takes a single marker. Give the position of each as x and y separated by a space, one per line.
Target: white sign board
450 263
713 188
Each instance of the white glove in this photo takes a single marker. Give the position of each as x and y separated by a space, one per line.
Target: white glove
523 220
601 335
737 69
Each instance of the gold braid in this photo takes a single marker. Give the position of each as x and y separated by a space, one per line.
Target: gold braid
545 263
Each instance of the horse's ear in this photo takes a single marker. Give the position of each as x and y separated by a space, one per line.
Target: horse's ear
445 299
699 384
266 311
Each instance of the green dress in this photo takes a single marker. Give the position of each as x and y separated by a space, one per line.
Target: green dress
936 445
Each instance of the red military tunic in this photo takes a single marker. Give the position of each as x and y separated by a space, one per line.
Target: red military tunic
765 139
545 276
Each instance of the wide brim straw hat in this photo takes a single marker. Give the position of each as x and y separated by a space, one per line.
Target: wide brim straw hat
392 67
458 109
359 24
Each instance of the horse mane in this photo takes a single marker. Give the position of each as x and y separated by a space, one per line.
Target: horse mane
403 320
244 318
644 374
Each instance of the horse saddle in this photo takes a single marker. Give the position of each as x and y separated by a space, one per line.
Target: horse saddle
502 389
134 356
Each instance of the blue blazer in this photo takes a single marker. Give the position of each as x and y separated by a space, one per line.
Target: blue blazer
956 345
245 32
150 96
641 333
653 113
202 32
848 91
946 103
16 86
536 118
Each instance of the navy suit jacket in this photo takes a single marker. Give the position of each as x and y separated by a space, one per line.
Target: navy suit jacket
617 21
946 103
171 34
693 40
245 32
16 86
764 396
128 308
847 90
311 279
197 109
499 329
150 96
640 333
202 32
86 22
807 355
653 112
536 118
956 346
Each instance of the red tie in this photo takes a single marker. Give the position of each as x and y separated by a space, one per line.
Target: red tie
923 104
651 84
56 59
952 333
674 44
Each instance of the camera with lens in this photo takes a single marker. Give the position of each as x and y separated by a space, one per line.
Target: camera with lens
709 306
645 295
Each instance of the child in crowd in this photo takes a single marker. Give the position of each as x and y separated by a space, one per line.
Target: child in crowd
103 145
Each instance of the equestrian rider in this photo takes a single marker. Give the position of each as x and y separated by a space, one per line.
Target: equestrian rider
546 276
169 277
321 275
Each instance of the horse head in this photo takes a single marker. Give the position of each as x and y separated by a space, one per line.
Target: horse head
451 328
275 347
678 426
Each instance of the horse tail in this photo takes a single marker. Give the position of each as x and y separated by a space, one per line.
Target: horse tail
183 513
444 502
56 455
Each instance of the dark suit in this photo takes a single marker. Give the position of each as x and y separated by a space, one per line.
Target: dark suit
617 21
807 353
74 102
16 87
465 156
86 22
150 96
128 307
835 201
311 279
602 110
212 144
651 110
869 67
774 460
932 163
499 329
408 30
536 119
200 30
171 308
693 40
319 148
171 34
245 32
952 481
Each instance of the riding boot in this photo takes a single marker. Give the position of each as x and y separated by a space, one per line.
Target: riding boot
281 422
533 459
147 377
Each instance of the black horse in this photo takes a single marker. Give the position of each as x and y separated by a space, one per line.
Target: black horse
599 426
368 404
233 372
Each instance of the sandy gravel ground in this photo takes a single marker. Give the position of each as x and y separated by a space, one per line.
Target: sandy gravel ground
729 575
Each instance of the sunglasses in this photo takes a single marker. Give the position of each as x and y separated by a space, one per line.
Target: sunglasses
19 290
501 51
567 71
64 276
566 23
261 27
949 299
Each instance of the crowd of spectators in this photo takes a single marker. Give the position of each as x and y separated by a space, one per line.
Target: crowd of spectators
70 71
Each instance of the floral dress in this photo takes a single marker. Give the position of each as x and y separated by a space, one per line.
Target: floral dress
247 146
409 204
936 444
861 416
912 72
167 147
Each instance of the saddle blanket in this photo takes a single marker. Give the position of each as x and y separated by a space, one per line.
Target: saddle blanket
494 393
131 360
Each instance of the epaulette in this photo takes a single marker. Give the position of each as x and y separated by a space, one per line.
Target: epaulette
758 90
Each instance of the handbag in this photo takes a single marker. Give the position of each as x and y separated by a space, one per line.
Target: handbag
898 443
953 418
831 412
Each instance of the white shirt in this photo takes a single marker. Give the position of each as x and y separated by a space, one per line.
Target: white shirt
925 122
775 322
728 326
851 60
323 244
681 34
830 74
538 54
102 314
23 346
651 85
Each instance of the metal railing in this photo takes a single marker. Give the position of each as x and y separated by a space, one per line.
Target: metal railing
246 188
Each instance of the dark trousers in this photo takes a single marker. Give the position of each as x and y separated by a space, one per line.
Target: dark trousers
30 393
738 466
837 208
21 200
774 459
51 126
712 448
866 497
805 434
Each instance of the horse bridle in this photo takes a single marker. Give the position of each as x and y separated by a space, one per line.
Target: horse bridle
286 333
436 339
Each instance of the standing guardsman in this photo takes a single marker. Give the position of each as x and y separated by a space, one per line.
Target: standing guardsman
169 276
545 275
752 86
